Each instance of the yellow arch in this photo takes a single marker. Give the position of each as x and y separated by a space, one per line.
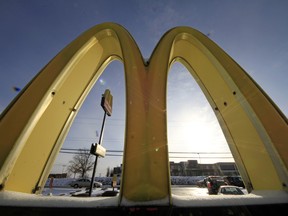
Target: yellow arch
34 126
254 127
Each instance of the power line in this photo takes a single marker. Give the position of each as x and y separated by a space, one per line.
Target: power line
221 155
74 149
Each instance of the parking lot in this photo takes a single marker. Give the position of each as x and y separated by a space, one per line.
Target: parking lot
178 190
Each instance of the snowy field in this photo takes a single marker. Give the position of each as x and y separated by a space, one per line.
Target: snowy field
62 195
181 185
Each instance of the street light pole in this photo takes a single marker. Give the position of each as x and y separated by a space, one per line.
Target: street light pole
199 157
96 158
106 103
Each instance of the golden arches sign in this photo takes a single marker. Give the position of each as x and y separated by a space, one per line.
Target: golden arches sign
34 125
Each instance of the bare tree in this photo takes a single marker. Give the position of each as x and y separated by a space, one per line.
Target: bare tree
72 170
81 163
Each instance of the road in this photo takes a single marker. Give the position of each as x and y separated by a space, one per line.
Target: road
181 190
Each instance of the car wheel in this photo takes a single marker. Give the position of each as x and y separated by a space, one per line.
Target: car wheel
76 186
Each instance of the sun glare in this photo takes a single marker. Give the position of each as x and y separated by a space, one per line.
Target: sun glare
192 124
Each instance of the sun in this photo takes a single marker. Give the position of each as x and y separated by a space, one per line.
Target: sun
196 132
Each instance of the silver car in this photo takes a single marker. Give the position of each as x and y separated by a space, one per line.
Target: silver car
230 190
84 182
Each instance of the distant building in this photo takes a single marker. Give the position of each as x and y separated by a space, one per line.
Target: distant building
193 168
58 175
227 169
117 171
178 169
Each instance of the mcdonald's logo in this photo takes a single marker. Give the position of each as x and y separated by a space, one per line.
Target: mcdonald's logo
255 129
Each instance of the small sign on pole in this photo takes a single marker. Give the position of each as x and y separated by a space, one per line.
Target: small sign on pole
97 150
106 102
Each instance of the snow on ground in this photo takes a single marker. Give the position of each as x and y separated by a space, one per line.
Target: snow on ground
64 197
8 198
253 198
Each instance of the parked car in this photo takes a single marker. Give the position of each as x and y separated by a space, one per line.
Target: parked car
84 182
202 183
230 190
213 184
234 180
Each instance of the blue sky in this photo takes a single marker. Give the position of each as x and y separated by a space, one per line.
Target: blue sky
253 33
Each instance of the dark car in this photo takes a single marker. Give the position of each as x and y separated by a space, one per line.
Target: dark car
213 184
234 180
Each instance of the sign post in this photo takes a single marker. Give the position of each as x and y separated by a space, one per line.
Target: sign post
97 149
114 181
